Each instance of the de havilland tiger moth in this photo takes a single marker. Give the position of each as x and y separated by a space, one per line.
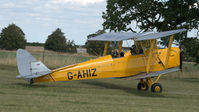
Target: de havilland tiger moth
144 61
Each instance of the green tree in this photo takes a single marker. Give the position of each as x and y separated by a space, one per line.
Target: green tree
12 38
152 14
56 41
95 47
191 48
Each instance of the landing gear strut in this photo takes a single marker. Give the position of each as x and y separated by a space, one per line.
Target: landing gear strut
155 87
142 85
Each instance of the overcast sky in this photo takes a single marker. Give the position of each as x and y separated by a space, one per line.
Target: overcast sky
39 18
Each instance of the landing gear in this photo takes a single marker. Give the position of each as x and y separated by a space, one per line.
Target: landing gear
156 88
142 86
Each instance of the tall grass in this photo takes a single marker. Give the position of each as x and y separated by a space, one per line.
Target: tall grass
189 70
8 58
51 59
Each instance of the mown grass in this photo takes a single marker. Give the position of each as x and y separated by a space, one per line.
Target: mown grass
181 93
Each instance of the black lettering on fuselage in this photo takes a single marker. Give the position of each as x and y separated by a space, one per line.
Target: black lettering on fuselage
94 70
82 74
70 77
85 73
89 72
79 74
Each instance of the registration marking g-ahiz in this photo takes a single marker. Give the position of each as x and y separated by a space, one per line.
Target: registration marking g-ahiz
82 74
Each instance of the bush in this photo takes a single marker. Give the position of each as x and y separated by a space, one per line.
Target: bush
34 44
190 48
71 47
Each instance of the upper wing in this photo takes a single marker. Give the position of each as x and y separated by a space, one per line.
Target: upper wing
159 35
119 36
116 36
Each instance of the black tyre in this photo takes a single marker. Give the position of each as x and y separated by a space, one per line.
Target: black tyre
156 88
142 86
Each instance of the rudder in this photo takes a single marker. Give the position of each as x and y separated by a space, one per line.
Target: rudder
29 67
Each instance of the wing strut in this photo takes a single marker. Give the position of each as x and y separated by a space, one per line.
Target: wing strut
168 51
150 56
120 48
106 48
142 48
136 44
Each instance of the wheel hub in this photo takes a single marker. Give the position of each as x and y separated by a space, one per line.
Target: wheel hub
157 89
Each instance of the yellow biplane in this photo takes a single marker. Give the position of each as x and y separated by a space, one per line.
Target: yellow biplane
144 61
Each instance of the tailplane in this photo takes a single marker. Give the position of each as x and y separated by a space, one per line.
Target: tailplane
29 67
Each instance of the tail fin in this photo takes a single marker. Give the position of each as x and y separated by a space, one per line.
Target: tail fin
29 67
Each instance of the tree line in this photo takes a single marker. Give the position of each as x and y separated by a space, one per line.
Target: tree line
12 37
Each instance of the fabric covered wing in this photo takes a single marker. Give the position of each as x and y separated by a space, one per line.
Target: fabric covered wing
155 74
119 36
116 36
159 35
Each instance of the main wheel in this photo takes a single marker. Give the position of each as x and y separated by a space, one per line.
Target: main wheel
156 88
142 86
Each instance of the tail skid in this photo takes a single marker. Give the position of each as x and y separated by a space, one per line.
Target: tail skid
29 67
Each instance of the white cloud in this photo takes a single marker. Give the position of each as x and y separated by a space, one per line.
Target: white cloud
80 2
8 5
34 14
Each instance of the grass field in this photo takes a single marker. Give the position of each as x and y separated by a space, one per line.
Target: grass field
180 91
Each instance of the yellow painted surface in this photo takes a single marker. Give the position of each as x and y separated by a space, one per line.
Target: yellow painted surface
105 48
106 66
168 50
157 79
150 81
150 56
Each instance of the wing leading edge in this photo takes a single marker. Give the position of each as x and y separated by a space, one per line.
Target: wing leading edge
160 34
119 36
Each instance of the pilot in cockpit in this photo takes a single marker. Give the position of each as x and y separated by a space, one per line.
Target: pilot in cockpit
134 50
